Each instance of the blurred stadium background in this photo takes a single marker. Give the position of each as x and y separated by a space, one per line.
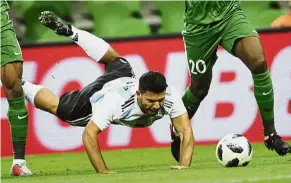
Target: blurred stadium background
114 19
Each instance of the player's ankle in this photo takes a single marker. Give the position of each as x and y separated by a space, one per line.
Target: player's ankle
19 149
268 134
18 161
74 31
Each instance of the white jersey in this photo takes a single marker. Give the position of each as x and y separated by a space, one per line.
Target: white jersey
117 103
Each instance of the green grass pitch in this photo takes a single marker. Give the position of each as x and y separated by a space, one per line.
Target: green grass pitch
152 165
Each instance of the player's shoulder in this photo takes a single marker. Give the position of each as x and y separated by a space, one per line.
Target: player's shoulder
171 91
122 93
172 94
108 99
126 89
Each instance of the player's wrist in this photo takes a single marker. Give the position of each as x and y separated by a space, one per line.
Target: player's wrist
179 167
184 166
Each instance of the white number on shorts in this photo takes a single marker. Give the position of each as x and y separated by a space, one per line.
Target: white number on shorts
198 66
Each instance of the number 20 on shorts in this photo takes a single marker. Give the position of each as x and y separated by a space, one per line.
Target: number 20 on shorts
198 66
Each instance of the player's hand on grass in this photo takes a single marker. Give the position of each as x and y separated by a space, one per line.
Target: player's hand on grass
108 172
180 167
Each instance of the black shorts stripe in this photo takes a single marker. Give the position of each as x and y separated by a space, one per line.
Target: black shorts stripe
81 120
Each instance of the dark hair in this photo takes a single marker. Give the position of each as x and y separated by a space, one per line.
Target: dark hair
152 81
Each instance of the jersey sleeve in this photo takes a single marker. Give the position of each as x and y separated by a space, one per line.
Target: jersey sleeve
178 107
104 111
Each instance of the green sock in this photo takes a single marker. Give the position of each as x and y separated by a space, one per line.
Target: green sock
18 118
264 94
191 102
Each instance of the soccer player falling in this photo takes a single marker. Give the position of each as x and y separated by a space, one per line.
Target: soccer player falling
113 98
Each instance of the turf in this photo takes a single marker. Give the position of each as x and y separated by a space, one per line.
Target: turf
152 165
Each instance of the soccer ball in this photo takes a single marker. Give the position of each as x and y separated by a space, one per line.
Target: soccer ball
234 150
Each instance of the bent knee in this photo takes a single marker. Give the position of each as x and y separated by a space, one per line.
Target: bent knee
13 89
53 107
45 100
259 66
200 92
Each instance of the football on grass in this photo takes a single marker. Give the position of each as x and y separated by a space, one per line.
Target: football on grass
234 150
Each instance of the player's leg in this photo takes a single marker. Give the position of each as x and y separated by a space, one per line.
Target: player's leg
242 40
41 97
196 92
250 51
201 46
95 47
193 96
17 115
75 106
11 73
63 107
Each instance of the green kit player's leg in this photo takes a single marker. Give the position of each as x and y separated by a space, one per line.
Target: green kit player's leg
241 39
201 46
11 69
196 92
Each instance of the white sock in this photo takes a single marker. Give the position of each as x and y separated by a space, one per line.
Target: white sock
30 90
18 161
94 46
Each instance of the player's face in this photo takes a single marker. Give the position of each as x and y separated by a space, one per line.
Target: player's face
150 103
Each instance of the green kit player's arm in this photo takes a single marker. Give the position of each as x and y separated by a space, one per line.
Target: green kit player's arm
91 144
183 127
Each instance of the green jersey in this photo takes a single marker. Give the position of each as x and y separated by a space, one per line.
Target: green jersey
4 6
206 12
6 23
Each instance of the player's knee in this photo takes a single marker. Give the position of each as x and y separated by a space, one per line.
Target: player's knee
14 89
259 66
50 104
17 89
52 108
202 93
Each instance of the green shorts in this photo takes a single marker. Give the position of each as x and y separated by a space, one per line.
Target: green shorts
10 49
201 41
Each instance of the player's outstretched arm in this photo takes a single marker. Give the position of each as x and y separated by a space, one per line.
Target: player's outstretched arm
91 144
183 127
